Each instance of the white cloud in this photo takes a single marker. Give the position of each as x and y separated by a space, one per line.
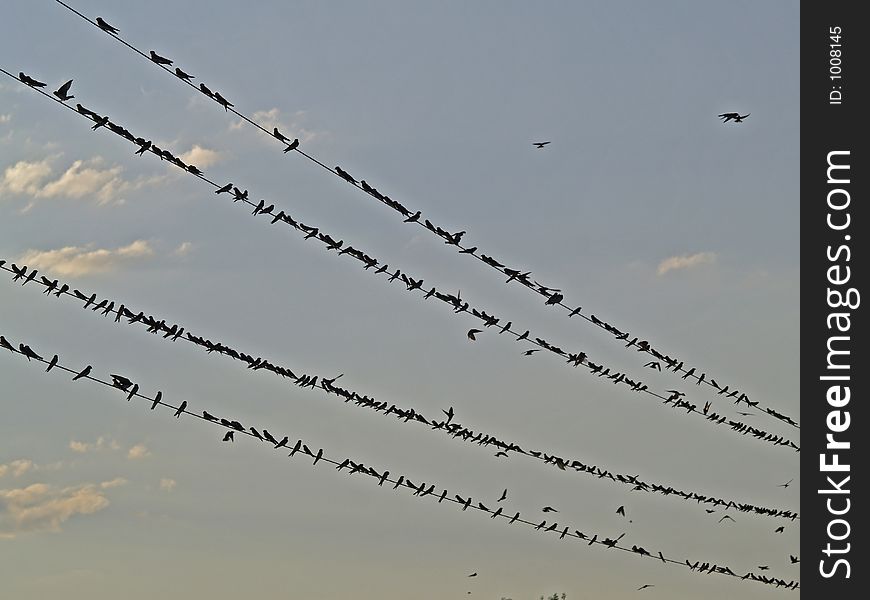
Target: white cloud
25 177
685 262
76 261
167 485
294 128
5 118
39 507
183 249
17 467
201 157
116 482
102 443
138 451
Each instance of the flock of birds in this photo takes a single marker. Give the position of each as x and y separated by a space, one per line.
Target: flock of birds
422 490
553 297
161 327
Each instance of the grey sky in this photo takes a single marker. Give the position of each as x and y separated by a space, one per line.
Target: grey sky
437 105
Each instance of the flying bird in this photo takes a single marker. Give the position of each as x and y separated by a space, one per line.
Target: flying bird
472 333
449 413
540 144
644 586
621 511
105 26
532 351
473 574
736 117
228 436
63 91
794 559
726 517
786 484
181 408
503 496
547 509
160 60
779 529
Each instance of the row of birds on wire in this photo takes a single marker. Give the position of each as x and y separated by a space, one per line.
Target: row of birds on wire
232 427
449 426
552 294
455 301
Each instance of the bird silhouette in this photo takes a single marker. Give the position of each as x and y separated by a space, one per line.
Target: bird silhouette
473 574
532 351
540 144
160 60
726 517
472 333
644 586
547 509
449 413
621 511
794 559
779 529
52 363
121 382
28 352
181 408
786 484
182 75
500 453
223 101
105 26
30 80
204 89
100 122
228 436
156 400
280 136
503 496
292 146
282 443
83 373
63 91
736 117
224 189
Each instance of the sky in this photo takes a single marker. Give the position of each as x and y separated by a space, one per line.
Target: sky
645 209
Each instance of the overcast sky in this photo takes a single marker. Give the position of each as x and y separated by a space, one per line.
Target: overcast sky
644 209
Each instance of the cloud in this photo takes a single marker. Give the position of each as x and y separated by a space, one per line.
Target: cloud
39 507
167 485
101 444
183 249
269 119
17 467
116 482
138 451
76 261
83 178
201 157
5 118
685 262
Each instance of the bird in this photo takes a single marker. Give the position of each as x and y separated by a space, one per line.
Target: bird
30 80
63 91
222 101
105 26
473 574
500 453
83 373
157 399
794 559
282 443
621 511
182 75
779 529
413 218
472 333
736 117
726 517
280 136
532 351
225 189
449 414
644 586
228 436
160 60
786 484
100 122
144 148
121 382
503 495
133 391
52 363
547 509
292 146
556 298
205 90
540 145
763 567
181 408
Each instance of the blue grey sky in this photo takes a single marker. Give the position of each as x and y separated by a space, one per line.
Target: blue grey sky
645 209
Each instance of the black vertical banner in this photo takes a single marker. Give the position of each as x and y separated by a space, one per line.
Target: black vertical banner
834 223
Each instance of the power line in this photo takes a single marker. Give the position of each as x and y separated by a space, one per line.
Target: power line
421 491
308 232
553 295
449 427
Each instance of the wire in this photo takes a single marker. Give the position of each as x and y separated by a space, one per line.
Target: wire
449 427
308 232
513 274
354 467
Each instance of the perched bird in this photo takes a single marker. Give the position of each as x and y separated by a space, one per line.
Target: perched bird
52 363
280 136
121 382
144 148
413 218
133 391
556 298
225 189
83 373
181 408
222 101
100 122
63 91
28 352
292 146
157 399
621 511
540 144
30 80
182 75
160 60
736 117
228 436
205 90
105 26
472 333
